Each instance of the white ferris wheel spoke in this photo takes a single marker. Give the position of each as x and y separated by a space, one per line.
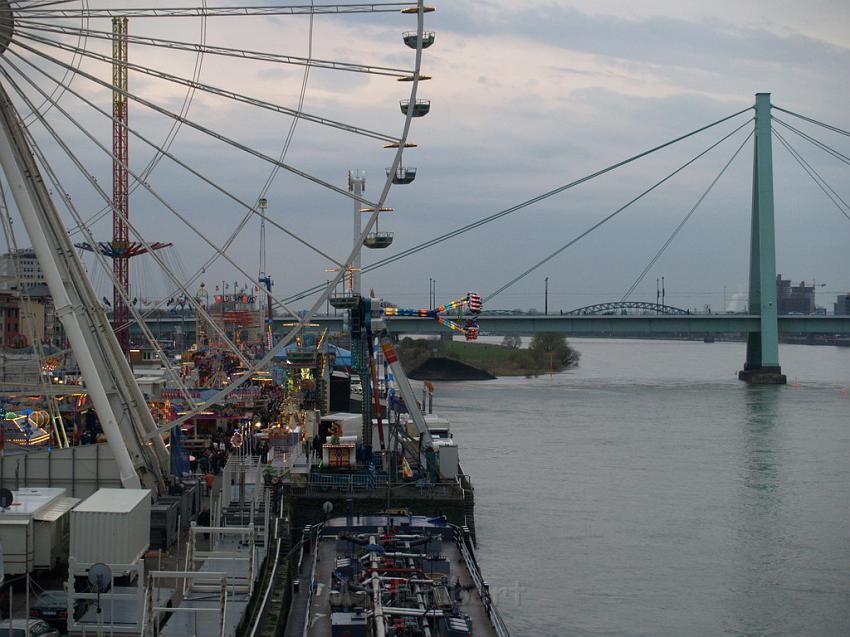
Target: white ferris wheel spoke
246 54
93 182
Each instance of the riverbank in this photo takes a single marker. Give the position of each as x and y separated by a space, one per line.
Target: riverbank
421 358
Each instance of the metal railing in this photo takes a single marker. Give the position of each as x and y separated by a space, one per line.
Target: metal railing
240 536
314 536
209 580
464 542
261 611
319 483
241 479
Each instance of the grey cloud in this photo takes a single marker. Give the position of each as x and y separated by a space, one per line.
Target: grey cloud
653 40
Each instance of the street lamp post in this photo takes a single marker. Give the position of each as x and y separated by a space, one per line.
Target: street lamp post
546 296
657 293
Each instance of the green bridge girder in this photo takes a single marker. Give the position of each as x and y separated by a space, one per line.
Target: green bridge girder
604 325
696 324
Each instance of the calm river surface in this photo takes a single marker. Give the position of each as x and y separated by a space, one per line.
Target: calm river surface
649 492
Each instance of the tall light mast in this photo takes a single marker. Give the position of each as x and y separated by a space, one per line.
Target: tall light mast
120 186
357 186
264 277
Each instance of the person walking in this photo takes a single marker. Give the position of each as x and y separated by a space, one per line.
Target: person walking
317 447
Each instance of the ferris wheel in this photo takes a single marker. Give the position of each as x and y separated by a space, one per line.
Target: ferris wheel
126 127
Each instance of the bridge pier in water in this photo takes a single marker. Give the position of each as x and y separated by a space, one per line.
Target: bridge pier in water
762 364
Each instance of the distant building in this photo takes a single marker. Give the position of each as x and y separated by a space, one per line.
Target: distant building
18 267
10 313
26 306
22 320
842 305
794 299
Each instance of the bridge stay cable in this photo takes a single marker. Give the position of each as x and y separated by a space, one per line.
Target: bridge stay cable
821 183
814 141
603 221
525 204
684 221
811 120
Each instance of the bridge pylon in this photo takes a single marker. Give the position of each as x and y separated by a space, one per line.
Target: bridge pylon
762 364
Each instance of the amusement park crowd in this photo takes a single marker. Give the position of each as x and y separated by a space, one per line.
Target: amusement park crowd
213 458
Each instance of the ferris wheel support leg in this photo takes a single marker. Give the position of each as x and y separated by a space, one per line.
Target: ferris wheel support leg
40 218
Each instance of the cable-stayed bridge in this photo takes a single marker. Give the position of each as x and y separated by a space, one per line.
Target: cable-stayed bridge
761 325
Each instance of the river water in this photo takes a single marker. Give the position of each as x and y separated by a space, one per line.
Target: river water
649 492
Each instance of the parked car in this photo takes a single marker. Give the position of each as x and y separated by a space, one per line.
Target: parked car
51 607
27 628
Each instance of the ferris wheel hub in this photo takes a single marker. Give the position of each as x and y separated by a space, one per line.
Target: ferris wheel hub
7 25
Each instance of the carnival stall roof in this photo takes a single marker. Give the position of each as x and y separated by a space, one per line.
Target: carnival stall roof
343 356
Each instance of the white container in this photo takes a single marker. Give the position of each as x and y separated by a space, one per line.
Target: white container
447 458
51 528
112 526
17 529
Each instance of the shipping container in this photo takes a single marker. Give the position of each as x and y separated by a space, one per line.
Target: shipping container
21 552
52 530
111 526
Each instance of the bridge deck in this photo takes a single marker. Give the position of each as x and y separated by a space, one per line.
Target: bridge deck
589 325
696 324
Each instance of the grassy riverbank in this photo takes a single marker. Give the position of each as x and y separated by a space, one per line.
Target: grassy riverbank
547 353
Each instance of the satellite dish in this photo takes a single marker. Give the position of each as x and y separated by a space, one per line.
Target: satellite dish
100 577
6 499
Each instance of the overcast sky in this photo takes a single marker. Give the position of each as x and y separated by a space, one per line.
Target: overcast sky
526 96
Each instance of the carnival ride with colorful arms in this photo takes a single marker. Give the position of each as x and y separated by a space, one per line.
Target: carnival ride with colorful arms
469 329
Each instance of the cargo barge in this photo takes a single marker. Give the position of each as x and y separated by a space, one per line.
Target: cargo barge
393 575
